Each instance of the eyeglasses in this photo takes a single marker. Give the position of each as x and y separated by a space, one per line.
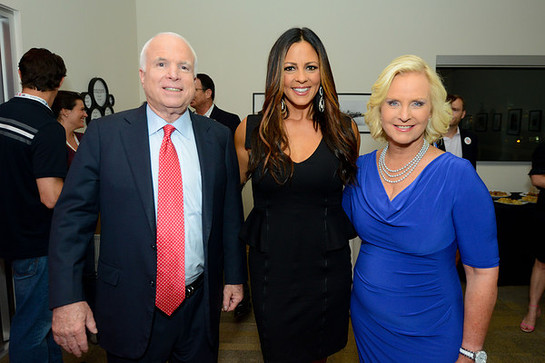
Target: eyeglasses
200 89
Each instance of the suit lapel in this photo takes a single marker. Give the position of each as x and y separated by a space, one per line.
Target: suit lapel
441 144
135 140
206 161
214 112
465 147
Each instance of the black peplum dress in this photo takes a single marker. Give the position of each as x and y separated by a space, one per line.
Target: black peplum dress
300 266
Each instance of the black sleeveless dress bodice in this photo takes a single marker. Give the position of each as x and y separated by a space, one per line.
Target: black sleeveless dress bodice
300 267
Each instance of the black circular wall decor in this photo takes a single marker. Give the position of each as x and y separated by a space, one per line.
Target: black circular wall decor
98 101
87 100
99 91
94 114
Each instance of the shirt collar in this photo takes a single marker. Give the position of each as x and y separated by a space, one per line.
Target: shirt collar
32 97
156 123
455 134
209 112
457 131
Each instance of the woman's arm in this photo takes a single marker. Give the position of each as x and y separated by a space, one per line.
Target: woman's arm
476 235
243 155
480 298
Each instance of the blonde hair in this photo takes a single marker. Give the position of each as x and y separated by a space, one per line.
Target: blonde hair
441 112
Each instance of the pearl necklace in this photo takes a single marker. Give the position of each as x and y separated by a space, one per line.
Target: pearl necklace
402 172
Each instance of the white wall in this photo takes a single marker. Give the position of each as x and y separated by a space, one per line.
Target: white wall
95 38
233 38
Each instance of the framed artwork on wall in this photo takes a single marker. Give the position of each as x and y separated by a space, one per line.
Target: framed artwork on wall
257 102
534 120
513 121
98 91
355 106
481 122
97 100
352 104
496 122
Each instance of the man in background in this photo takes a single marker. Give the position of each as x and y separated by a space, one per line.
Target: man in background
33 163
459 142
203 103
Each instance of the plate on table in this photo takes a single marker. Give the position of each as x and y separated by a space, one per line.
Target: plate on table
499 194
510 201
532 194
530 198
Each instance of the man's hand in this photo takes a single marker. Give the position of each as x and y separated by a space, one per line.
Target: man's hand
232 295
69 322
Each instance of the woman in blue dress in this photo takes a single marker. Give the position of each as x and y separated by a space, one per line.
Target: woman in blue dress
413 206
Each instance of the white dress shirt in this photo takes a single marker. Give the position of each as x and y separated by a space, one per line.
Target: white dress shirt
453 144
209 112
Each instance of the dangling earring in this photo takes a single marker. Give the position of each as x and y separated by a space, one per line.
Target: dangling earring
321 103
282 105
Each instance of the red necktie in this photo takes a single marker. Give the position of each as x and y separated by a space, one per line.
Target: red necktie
170 290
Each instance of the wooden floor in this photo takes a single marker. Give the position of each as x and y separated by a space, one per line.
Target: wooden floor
505 342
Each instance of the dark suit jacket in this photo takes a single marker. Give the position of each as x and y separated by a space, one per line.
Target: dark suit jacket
111 174
470 146
226 118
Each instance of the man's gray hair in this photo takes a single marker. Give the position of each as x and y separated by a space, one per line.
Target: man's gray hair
143 53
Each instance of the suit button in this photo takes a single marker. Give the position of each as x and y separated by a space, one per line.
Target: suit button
152 283
153 247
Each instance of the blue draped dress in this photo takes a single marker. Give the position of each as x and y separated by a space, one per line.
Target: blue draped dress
407 303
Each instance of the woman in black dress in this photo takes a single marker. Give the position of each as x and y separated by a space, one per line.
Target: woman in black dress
299 152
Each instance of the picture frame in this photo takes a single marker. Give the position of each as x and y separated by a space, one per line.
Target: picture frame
513 121
466 123
258 98
481 122
352 104
496 121
534 120
98 91
355 106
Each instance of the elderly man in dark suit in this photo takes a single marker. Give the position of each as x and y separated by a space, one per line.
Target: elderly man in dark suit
203 103
459 142
165 182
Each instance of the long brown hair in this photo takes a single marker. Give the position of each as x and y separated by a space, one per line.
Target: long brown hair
270 139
